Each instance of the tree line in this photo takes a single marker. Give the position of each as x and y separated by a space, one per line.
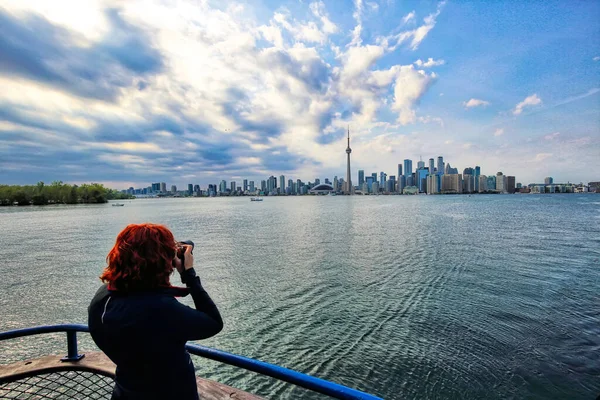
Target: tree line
57 193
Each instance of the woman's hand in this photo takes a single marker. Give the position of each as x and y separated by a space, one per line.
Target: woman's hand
188 258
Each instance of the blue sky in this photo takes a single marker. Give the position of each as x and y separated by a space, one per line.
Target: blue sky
129 93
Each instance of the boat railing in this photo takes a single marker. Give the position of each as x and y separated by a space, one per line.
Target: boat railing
312 383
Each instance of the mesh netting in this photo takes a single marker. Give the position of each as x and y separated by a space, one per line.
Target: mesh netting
59 385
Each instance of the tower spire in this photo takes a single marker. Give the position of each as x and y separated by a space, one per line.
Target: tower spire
349 188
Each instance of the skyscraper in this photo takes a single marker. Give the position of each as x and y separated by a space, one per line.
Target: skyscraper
382 179
282 184
548 180
510 184
251 186
476 177
399 171
245 187
420 164
232 186
431 166
500 182
349 188
173 189
361 177
190 188
163 187
407 168
440 165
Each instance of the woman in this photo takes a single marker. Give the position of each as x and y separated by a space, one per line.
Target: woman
136 320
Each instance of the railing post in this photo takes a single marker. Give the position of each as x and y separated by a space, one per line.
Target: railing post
72 348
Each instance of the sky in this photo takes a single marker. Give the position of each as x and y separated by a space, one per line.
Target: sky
127 93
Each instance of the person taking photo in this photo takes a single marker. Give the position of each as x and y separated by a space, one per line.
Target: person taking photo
136 320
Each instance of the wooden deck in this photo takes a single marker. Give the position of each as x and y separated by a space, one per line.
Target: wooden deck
98 363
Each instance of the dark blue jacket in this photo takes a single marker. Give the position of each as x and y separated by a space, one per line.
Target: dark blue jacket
144 334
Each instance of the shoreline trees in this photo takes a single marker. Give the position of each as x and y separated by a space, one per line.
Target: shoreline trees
57 193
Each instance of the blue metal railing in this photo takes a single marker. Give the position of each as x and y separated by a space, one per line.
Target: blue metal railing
284 374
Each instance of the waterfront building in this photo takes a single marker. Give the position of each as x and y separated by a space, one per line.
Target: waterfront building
369 183
468 183
336 183
298 186
232 186
500 182
491 182
519 185
449 170
156 187
190 188
361 177
399 171
223 186
476 177
510 184
451 183
392 181
440 165
482 184
382 179
263 185
245 185
251 186
317 181
163 187
421 178
407 168
282 184
196 188
548 180
173 189
401 183
322 188
433 184
375 188
431 166
290 186
420 164
349 187
365 188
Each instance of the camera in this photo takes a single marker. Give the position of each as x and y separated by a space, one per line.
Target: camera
181 248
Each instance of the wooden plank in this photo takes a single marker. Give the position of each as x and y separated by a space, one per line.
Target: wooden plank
99 363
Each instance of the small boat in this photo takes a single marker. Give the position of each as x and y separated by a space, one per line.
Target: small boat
256 199
118 204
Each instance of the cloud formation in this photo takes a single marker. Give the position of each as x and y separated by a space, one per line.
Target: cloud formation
141 91
475 103
529 101
429 63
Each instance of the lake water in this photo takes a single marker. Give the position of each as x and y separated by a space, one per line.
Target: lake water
491 296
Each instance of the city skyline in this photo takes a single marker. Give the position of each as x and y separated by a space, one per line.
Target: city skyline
127 93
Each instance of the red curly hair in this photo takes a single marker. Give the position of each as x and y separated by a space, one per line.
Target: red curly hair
142 258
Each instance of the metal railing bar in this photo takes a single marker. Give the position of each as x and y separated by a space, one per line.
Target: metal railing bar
318 385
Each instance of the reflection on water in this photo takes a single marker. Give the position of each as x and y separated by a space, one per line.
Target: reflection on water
403 297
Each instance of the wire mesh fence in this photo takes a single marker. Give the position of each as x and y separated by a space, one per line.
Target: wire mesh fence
59 385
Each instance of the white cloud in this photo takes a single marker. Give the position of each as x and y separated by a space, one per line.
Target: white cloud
374 6
499 132
542 156
597 58
475 103
409 17
356 32
429 63
318 9
409 87
552 136
528 102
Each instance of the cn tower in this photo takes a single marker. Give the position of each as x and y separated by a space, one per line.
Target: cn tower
349 187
